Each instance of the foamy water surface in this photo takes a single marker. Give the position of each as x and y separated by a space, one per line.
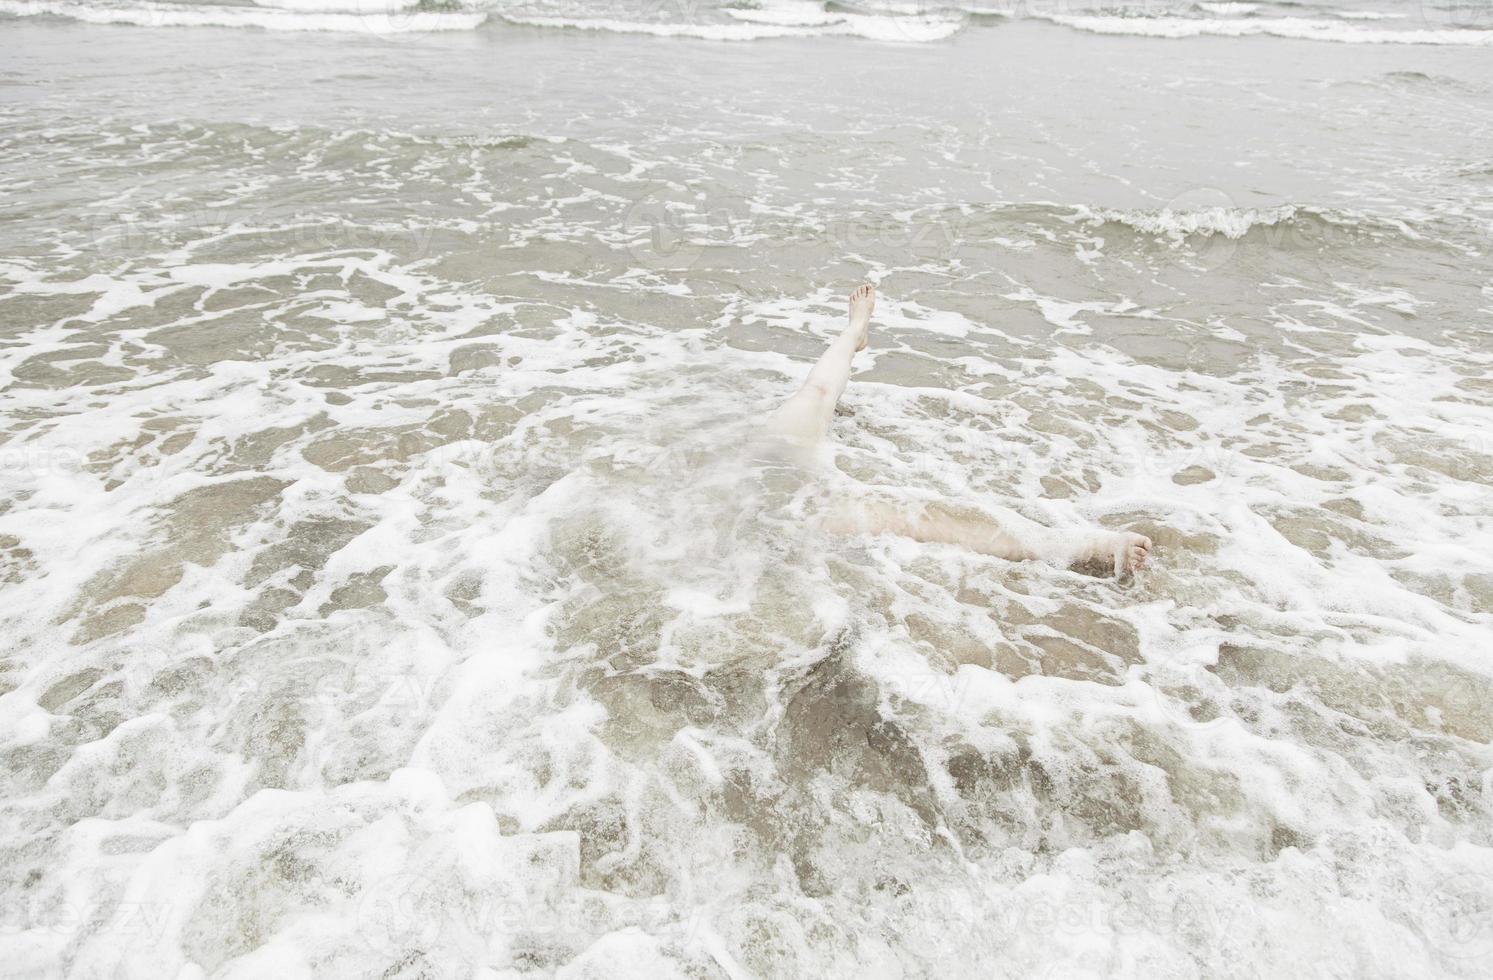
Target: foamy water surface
385 591
1418 22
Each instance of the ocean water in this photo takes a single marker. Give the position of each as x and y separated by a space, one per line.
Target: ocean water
384 592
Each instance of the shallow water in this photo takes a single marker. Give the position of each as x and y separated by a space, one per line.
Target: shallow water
384 592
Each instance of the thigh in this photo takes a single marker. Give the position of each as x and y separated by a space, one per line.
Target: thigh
804 417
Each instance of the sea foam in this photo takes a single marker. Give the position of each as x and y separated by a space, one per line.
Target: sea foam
1287 27
288 15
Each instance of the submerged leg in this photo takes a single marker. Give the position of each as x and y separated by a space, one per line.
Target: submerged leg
1002 533
805 417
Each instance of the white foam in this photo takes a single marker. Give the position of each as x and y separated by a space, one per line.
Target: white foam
493 747
377 20
340 6
782 21
1287 27
1179 223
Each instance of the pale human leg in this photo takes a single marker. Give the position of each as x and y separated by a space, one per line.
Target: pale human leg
804 420
805 417
991 531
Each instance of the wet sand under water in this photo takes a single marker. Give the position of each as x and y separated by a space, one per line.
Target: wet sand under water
380 598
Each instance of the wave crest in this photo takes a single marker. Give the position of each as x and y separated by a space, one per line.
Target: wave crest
351 16
1180 223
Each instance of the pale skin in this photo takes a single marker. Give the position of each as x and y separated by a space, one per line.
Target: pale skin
804 421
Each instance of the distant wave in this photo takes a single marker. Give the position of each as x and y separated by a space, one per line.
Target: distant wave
1365 15
373 7
907 21
287 15
1229 9
1296 223
710 32
400 16
1180 223
1300 28
750 25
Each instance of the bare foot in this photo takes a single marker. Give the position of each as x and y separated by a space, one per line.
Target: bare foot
862 302
1130 551
1117 553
